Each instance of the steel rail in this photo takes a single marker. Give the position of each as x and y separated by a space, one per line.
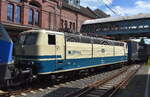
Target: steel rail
95 85
115 88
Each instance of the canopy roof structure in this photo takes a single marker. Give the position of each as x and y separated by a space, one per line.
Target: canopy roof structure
116 19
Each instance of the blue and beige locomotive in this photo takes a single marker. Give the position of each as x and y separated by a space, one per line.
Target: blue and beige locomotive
49 52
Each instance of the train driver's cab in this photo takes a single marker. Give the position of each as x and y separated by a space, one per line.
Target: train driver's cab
28 39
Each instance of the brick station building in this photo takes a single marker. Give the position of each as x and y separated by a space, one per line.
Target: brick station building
57 15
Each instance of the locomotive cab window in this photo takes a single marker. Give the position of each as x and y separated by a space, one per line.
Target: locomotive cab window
51 39
28 39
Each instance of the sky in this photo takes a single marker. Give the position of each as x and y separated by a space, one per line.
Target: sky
120 7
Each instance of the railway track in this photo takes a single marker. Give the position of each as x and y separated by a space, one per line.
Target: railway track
70 86
106 87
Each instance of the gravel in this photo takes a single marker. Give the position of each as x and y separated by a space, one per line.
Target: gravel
68 87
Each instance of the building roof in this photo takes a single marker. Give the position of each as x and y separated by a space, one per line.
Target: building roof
100 13
116 19
85 11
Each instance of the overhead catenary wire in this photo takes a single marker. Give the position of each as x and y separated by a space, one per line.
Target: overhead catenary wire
117 8
114 9
114 12
111 10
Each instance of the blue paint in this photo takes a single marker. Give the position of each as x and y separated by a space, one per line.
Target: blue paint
6 46
5 52
52 66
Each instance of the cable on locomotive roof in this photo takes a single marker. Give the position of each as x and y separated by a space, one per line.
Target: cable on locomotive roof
118 44
85 39
72 38
78 38
88 39
102 41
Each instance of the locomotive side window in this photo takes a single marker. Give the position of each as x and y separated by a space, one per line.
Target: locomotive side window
51 39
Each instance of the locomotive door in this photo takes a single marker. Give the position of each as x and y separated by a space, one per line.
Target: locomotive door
103 50
59 51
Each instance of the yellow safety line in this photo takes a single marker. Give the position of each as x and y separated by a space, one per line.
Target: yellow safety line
148 62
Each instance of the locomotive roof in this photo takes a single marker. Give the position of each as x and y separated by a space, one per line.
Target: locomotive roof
98 38
115 19
61 33
42 31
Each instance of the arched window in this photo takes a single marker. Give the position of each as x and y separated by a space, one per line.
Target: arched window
10 12
62 23
30 18
36 17
70 25
66 24
74 26
35 4
34 13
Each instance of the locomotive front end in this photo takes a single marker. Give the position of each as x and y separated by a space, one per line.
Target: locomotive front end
26 52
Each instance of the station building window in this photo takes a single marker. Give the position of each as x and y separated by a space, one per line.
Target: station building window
18 14
62 23
31 14
36 16
70 25
66 24
10 12
34 13
74 26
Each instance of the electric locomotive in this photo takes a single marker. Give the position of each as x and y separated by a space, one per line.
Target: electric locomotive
136 52
6 60
49 52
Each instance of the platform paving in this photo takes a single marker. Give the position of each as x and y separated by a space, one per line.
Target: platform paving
139 86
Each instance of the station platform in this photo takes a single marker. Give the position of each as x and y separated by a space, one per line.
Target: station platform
139 86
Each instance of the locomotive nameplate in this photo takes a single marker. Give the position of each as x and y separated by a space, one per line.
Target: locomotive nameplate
73 52
103 50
